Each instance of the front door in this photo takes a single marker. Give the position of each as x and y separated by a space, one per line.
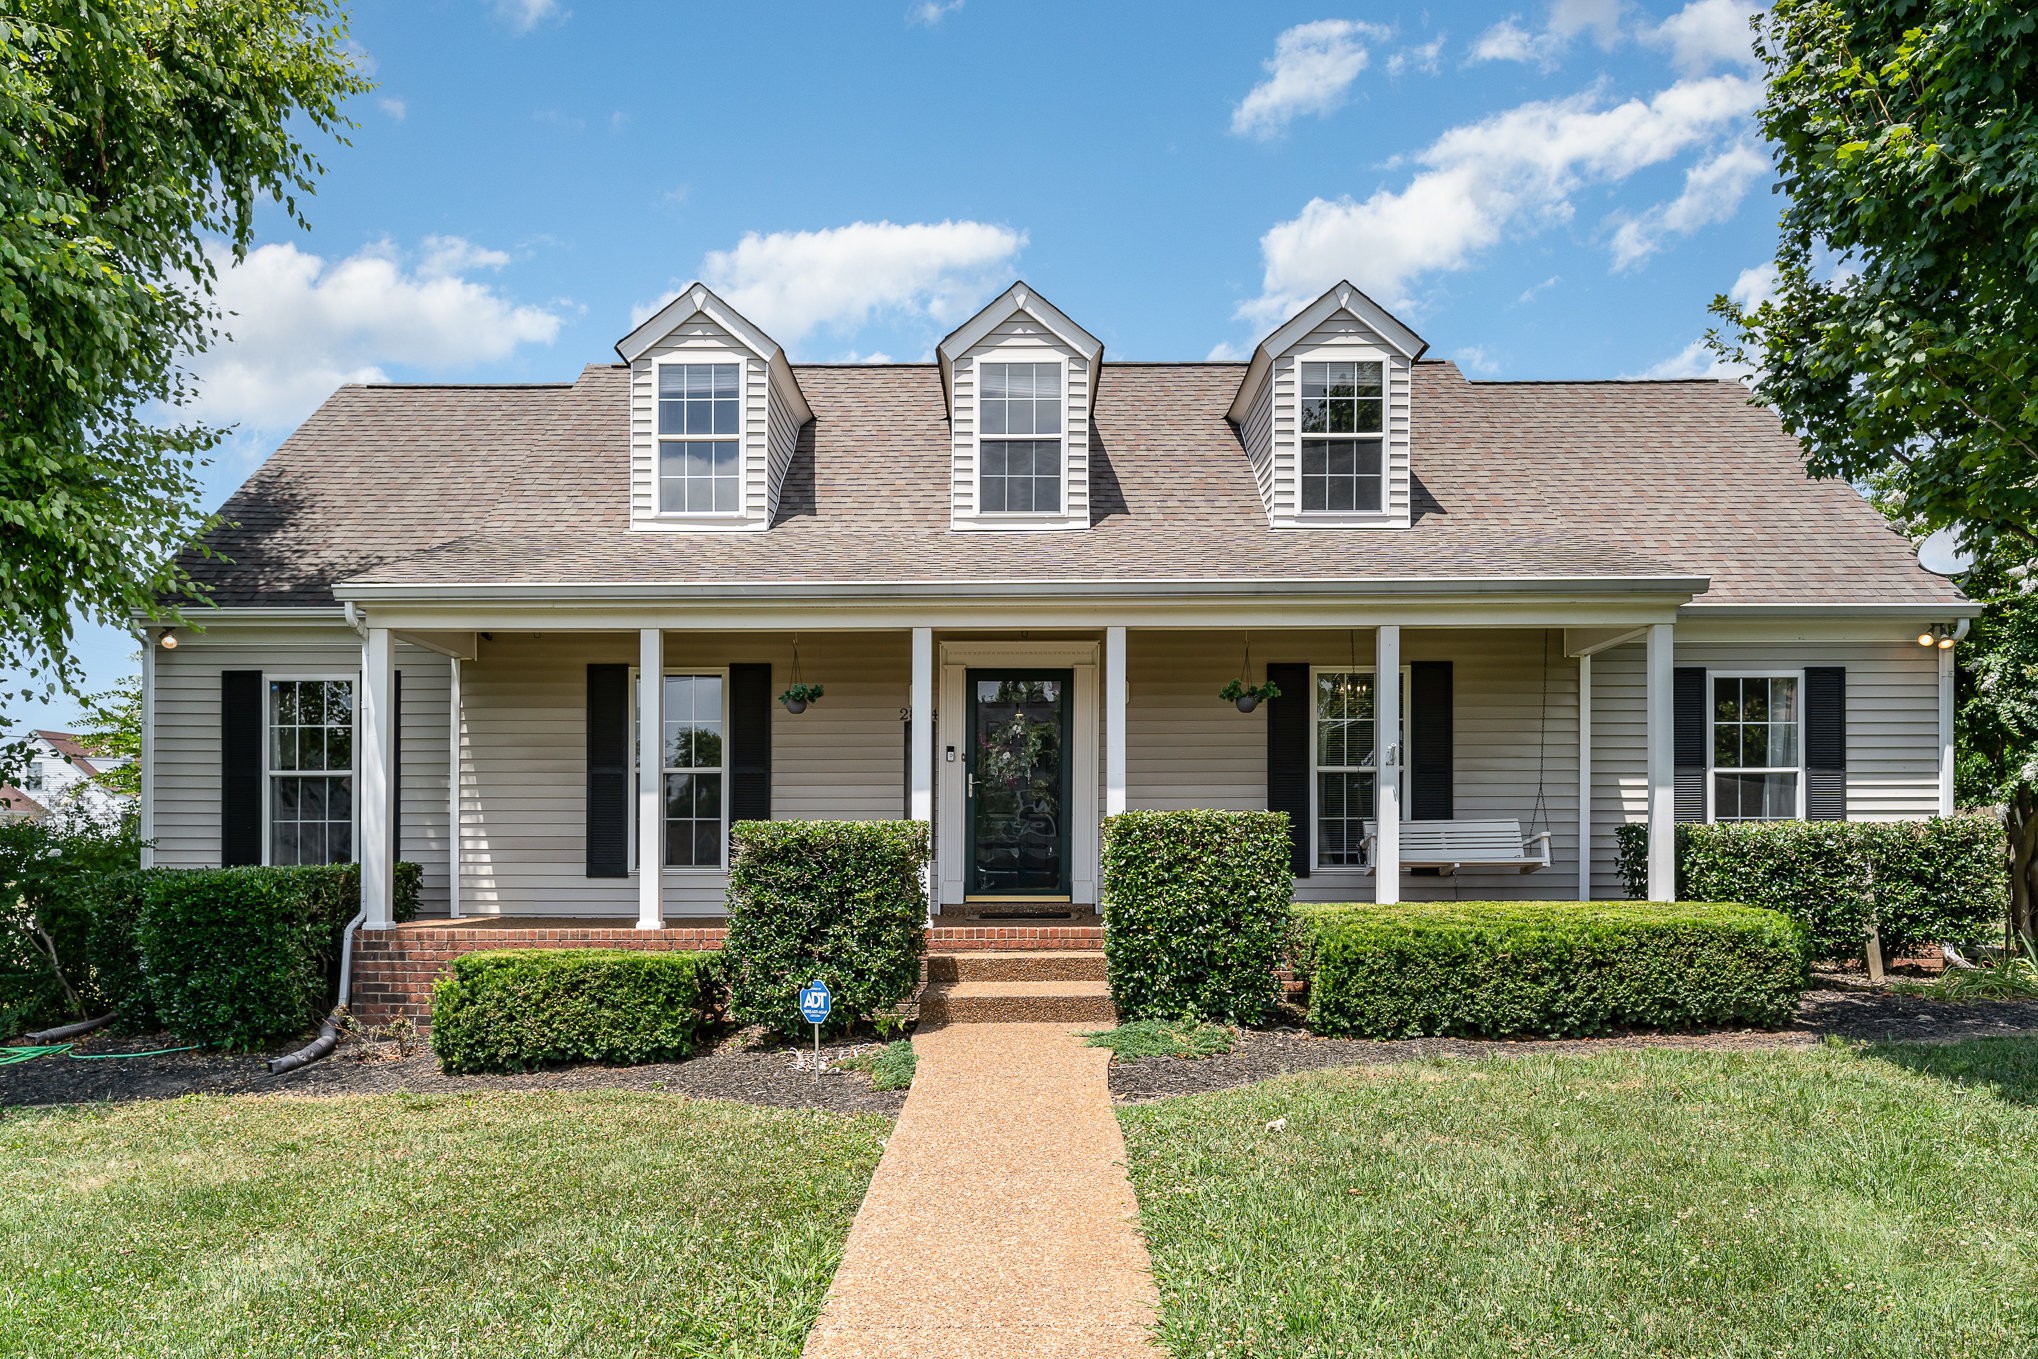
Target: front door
1016 804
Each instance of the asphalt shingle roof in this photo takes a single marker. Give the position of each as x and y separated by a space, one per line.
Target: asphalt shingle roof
530 484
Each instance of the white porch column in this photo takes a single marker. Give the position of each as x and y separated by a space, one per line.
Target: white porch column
453 788
1945 731
650 779
375 748
922 700
1662 766
1387 744
1585 777
1114 721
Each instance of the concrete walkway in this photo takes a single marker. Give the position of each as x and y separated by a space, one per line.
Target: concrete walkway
999 1221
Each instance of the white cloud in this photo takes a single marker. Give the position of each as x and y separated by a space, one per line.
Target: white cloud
1483 182
1713 190
1425 57
1477 359
300 326
1535 290
1751 289
1706 34
1565 21
793 283
1312 68
524 15
1224 351
395 108
931 12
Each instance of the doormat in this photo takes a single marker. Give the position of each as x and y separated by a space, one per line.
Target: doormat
1026 915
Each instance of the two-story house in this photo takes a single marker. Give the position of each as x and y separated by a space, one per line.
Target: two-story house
533 637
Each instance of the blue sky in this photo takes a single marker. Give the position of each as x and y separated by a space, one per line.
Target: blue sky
1541 190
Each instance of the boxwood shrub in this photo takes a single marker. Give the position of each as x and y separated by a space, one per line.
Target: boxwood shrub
518 1009
1195 909
845 901
241 956
114 945
1549 969
1939 880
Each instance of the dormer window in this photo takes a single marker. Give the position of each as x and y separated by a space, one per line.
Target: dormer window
699 439
1021 465
1343 468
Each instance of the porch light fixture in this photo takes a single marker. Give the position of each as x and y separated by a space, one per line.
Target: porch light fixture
168 641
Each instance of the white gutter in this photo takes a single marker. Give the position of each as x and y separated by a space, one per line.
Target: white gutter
1962 609
353 617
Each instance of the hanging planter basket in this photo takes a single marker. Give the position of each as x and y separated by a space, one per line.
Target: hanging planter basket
1248 696
799 696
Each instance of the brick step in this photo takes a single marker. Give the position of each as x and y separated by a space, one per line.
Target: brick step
1021 965
1017 1002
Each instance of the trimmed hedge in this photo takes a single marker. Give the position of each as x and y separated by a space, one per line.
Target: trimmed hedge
238 956
1549 969
844 901
114 945
518 1009
1195 909
1923 882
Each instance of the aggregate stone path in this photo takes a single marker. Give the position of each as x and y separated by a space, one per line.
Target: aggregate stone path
999 1221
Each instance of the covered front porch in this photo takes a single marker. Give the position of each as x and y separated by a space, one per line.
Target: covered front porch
1014 726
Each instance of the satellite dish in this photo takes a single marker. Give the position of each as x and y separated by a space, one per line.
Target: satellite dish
1942 554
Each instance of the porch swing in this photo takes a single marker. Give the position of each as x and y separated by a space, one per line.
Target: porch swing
1448 846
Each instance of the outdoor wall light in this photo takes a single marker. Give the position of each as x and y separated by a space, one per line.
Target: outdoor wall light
169 639
1938 635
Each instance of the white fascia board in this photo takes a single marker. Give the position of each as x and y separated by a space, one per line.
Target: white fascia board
1340 297
1965 608
1017 298
700 299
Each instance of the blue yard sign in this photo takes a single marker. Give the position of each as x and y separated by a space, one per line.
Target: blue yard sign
815 1002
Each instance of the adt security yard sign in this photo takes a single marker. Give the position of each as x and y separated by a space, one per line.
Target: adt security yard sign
815 1003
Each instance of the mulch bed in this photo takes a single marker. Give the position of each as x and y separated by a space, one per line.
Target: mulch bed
1857 1014
743 1066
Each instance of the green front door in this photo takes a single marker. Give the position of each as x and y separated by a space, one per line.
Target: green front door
1017 800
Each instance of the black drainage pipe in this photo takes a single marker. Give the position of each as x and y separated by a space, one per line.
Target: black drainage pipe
65 1031
321 1046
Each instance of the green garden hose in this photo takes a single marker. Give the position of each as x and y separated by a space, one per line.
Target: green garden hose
14 1056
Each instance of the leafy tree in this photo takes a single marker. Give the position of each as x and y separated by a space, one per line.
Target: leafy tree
111 724
1997 729
136 139
1901 344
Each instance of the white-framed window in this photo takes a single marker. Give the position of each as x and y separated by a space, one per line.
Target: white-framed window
1343 436
700 438
31 777
309 807
1757 747
1019 438
694 768
1344 773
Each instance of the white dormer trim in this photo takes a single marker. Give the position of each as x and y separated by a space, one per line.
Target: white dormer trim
1019 326
697 327
1342 324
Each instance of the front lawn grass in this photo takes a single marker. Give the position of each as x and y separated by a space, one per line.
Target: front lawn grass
499 1224
1163 1038
1793 1202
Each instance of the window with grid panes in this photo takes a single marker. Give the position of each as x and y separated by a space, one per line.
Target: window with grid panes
1019 446
700 463
311 771
1343 419
1756 747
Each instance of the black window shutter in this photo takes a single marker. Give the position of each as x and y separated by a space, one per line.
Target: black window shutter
241 736
1430 738
749 743
1690 717
608 771
1825 743
1288 759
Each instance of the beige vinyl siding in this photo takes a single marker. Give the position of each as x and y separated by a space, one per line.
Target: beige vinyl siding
700 340
524 786
186 777
1346 330
1189 749
784 434
1021 339
1892 727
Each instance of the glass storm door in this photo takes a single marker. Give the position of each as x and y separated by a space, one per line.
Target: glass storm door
1017 800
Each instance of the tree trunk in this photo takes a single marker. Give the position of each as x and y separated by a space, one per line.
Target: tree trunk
2020 816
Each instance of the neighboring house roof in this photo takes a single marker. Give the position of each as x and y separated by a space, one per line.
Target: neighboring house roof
449 485
16 805
71 748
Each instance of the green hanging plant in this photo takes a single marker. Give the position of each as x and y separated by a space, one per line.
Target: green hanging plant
798 696
1248 696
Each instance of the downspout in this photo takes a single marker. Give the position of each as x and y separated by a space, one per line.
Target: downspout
329 1032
